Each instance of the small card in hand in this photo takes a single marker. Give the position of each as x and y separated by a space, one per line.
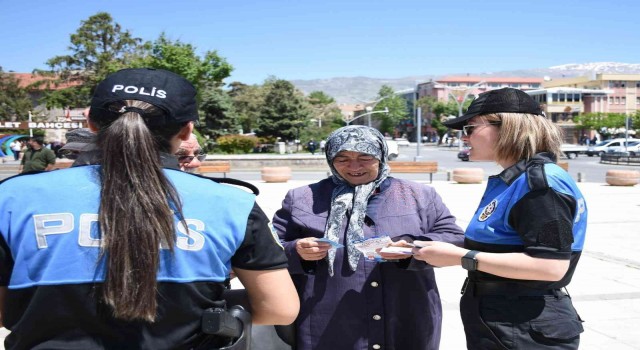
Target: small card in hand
327 240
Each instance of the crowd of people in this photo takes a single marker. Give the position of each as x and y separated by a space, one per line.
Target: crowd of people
131 250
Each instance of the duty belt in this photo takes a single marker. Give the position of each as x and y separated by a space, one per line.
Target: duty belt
506 289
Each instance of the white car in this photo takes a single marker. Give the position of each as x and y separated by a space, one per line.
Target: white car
393 148
614 145
572 151
634 150
402 142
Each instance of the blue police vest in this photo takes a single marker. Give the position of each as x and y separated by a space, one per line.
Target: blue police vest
49 221
490 223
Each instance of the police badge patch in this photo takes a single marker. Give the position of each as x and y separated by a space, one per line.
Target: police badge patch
488 210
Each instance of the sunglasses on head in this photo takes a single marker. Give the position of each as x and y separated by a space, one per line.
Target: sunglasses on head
467 130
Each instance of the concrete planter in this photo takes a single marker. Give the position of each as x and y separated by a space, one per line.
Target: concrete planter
468 175
623 177
276 174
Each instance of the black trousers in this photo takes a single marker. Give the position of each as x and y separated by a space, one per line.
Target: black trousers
544 321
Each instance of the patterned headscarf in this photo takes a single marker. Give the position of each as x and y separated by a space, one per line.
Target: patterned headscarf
361 139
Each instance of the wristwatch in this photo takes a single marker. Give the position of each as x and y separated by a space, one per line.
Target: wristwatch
469 261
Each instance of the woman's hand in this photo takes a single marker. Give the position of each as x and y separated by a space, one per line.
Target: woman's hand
396 256
310 249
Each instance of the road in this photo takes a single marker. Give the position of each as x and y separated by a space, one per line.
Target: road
589 168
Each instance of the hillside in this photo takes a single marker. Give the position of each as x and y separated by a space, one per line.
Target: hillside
351 89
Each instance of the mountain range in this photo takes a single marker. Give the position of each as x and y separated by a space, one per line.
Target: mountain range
353 90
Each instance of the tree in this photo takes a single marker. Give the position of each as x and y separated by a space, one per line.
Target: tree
325 112
181 58
442 111
396 106
219 117
14 100
606 123
284 111
98 48
247 102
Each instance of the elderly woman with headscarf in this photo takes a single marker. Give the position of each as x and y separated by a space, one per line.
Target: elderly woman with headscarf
348 301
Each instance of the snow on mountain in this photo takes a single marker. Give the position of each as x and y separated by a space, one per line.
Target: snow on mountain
355 89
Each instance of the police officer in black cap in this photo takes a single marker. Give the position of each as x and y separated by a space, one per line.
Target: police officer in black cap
526 237
127 253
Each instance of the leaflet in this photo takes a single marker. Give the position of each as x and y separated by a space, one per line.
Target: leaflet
369 246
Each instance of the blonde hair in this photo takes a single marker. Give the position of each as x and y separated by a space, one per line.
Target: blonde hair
522 136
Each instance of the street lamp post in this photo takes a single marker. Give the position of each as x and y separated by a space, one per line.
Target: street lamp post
368 114
373 104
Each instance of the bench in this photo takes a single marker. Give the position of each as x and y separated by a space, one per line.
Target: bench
62 164
219 166
415 167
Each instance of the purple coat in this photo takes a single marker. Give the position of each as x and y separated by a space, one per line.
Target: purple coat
389 305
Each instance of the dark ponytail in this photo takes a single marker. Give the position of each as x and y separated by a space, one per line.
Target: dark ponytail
138 207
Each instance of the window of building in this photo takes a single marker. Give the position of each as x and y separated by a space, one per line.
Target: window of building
495 85
617 100
576 97
562 97
569 97
610 100
514 85
638 100
623 100
535 86
554 97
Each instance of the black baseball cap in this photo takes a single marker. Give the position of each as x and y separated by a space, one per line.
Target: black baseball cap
505 100
168 91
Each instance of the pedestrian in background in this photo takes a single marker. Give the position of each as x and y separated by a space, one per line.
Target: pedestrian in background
349 302
16 148
127 254
311 146
524 242
37 157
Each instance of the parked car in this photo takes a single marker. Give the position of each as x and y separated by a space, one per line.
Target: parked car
634 150
464 154
614 145
393 148
572 151
402 142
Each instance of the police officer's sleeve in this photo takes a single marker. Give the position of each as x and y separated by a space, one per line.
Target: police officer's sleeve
261 248
544 221
6 263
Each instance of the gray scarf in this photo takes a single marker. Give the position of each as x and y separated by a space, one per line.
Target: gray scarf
361 139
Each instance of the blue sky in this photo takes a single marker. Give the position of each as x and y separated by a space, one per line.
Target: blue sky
300 39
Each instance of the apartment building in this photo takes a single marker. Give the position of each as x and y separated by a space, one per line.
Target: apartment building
621 91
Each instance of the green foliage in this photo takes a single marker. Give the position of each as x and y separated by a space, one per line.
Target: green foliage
604 123
98 48
14 100
319 98
218 114
441 110
397 107
247 102
181 58
237 144
325 117
284 112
